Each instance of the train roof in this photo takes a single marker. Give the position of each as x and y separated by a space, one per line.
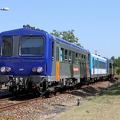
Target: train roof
23 31
27 31
72 45
98 56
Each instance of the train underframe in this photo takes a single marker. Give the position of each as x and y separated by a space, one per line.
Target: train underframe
40 84
37 84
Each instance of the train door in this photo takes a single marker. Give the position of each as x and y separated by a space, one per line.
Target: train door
62 61
55 75
93 67
76 66
97 67
81 66
84 64
79 62
71 74
87 66
57 62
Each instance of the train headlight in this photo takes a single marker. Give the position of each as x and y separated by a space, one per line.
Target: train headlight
34 69
39 69
3 69
8 69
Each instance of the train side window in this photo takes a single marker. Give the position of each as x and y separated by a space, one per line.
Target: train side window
61 55
82 56
102 65
52 50
76 58
96 64
70 56
66 55
79 56
57 53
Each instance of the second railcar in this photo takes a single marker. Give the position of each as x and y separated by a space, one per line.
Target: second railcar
98 67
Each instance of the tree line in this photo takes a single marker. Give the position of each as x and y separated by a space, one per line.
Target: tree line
116 62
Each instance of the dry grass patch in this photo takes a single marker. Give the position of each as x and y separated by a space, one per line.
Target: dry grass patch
104 107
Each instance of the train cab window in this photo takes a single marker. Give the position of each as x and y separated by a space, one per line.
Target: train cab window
31 46
7 46
52 50
70 57
66 55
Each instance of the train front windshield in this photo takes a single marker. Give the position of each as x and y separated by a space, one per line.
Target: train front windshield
27 46
32 46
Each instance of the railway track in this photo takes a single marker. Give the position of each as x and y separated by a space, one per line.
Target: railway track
8 104
12 102
57 102
4 100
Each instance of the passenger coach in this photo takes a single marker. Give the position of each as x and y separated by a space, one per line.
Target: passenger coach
100 68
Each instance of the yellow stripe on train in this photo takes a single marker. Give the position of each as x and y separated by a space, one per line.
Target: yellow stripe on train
57 71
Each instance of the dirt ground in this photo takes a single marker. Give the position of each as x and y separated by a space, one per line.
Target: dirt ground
66 101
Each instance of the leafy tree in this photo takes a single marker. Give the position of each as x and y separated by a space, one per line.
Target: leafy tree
118 71
67 35
114 60
30 27
117 61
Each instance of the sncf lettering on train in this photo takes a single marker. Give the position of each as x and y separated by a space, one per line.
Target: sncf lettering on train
75 69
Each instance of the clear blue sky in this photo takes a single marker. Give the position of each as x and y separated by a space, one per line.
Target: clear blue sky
96 22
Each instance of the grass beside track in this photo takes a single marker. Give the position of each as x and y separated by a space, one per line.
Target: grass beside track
102 107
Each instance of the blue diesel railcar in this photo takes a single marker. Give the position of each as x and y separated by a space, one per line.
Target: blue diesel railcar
36 60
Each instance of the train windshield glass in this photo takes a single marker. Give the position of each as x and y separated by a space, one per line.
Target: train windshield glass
7 46
31 46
